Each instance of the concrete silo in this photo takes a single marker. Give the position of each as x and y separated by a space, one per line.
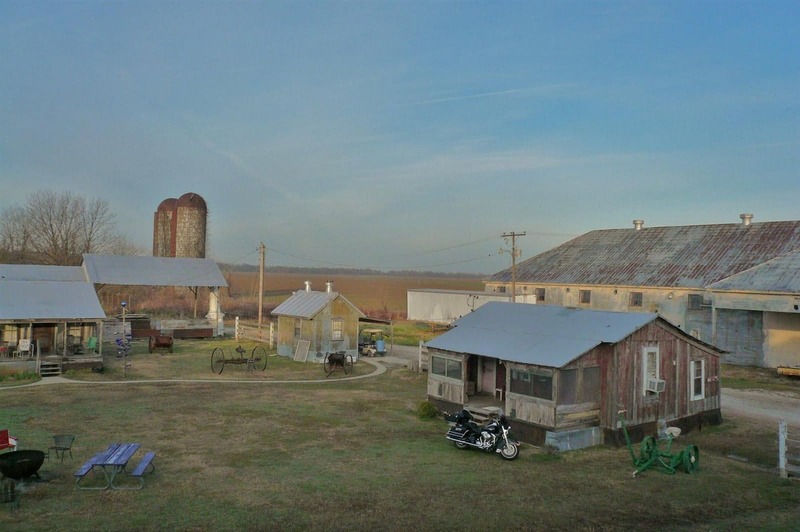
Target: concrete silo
179 227
190 226
163 230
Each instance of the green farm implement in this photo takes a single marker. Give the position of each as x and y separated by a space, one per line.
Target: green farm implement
652 456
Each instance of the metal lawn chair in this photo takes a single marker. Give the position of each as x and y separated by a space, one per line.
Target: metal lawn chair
62 443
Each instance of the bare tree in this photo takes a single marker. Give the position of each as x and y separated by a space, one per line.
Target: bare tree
14 236
58 228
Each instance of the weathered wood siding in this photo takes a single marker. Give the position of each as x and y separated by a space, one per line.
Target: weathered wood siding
675 354
318 331
444 388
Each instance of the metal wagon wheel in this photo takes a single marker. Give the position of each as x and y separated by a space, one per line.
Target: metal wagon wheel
348 364
259 357
328 365
217 360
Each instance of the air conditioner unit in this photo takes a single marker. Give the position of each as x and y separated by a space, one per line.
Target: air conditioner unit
656 385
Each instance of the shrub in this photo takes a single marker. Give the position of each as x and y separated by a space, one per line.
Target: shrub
426 410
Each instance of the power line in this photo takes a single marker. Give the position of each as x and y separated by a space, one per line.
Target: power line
340 265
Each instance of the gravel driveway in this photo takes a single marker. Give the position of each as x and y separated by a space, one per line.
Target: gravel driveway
764 405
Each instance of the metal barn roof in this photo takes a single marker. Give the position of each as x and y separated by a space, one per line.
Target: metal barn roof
307 304
691 256
39 272
152 271
544 335
781 274
49 300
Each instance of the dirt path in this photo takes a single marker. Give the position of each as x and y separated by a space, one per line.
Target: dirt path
762 405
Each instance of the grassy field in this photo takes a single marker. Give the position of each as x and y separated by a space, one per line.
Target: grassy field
376 295
354 455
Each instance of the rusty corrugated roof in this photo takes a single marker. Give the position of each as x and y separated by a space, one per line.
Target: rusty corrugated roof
692 256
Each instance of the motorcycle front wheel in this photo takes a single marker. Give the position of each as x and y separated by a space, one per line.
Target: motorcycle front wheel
510 451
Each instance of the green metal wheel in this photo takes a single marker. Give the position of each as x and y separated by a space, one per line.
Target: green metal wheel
691 459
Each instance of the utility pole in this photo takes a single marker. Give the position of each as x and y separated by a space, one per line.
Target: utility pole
263 252
514 254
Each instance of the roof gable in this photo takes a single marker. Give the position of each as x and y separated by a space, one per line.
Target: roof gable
544 335
691 256
307 304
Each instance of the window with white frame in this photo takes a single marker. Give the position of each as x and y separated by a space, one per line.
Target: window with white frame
650 370
697 379
337 328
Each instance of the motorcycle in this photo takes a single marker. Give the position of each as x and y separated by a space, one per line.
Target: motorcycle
494 436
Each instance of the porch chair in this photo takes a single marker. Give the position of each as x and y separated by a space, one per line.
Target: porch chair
6 441
91 344
62 444
23 348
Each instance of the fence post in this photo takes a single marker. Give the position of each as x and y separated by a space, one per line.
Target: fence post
419 357
236 328
782 449
271 335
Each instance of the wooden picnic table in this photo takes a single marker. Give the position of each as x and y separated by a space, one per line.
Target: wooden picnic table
111 462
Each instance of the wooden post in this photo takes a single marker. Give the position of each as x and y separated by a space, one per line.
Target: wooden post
782 449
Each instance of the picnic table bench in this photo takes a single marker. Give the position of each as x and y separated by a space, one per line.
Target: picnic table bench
112 462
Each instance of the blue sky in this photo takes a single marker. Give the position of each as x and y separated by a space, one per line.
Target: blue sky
405 135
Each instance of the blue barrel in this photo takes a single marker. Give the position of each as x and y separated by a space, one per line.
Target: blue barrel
380 346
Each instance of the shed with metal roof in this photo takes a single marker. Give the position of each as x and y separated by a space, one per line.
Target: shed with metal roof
313 323
564 374
191 273
51 309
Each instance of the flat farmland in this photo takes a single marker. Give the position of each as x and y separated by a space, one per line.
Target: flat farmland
375 295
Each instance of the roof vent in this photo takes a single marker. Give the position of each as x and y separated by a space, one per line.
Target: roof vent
638 224
747 219
308 286
329 286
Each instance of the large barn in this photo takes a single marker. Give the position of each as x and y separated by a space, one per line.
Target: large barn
736 286
568 376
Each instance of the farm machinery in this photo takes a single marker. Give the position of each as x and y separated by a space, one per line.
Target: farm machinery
651 455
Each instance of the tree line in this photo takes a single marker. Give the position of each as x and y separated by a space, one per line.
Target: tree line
58 228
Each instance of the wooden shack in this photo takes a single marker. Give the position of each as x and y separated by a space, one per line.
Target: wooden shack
568 376
313 323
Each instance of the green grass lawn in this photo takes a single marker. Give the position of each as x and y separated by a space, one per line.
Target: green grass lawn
352 455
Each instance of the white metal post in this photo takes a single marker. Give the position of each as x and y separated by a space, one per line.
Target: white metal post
782 449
